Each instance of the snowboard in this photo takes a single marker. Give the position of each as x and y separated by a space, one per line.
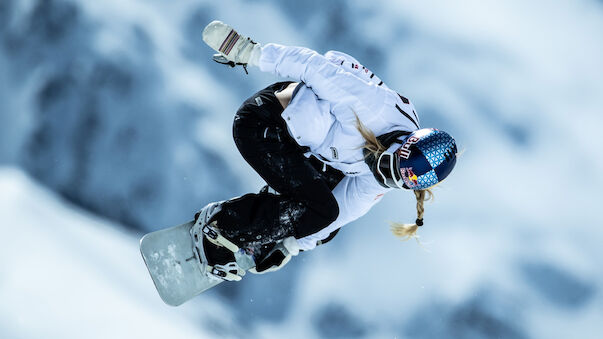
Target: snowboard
175 270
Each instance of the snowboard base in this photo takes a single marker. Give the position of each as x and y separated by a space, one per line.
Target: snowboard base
173 266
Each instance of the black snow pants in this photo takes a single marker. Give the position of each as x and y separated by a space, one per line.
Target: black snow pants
305 204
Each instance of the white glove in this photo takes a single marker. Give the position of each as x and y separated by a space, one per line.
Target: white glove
290 243
233 46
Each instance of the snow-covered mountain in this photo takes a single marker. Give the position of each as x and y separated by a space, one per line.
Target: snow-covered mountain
116 107
69 274
104 119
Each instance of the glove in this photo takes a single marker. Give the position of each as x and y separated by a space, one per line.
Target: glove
234 47
278 257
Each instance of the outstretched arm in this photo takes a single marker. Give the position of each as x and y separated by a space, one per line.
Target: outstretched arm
327 80
350 64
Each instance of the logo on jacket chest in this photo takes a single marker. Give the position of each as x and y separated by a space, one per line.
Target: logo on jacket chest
334 153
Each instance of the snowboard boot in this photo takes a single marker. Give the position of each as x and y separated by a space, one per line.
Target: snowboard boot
215 253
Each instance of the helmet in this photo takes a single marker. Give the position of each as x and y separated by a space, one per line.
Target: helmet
421 160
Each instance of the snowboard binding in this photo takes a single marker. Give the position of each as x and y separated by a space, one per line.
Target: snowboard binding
215 253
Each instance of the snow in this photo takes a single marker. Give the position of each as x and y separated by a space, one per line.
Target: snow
69 274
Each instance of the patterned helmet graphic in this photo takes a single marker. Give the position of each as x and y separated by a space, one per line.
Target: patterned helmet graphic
423 159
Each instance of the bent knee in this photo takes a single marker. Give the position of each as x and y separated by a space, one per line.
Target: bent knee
320 215
326 212
331 210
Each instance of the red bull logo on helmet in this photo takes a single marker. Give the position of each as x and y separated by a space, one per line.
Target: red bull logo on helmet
404 151
410 178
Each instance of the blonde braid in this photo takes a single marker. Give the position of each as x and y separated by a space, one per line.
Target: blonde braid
409 231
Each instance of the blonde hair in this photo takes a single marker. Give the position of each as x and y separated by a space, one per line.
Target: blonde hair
372 144
409 231
375 148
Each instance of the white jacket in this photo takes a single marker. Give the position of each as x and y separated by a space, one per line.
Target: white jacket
322 116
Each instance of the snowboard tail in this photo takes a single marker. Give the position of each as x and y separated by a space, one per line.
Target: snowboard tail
175 270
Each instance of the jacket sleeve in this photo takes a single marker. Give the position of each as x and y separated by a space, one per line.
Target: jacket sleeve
355 197
326 79
350 64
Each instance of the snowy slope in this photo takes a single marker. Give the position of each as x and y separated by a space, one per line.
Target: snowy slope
68 274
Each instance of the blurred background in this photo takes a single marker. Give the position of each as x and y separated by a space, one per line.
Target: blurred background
115 122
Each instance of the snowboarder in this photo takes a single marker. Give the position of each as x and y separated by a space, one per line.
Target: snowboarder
329 144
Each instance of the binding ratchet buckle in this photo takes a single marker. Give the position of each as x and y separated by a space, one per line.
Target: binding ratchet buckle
210 232
228 272
215 237
218 272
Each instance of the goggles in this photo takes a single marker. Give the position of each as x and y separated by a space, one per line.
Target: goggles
388 167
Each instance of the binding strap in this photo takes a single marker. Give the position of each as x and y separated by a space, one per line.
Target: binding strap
217 239
223 271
